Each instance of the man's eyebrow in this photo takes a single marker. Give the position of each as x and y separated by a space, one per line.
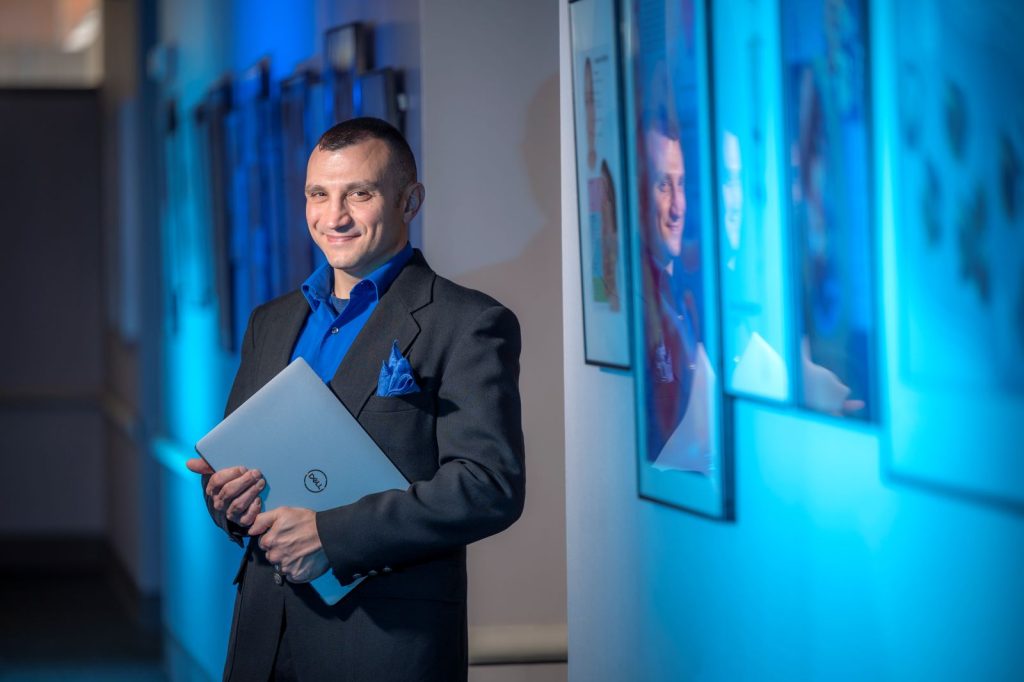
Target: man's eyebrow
359 184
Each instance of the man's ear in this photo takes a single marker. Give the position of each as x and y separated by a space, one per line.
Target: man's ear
413 201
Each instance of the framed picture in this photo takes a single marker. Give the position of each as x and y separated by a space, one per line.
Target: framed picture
955 374
301 127
258 239
754 260
597 92
346 56
681 454
212 121
377 94
827 148
171 193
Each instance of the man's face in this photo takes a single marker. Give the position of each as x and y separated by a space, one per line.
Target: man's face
354 210
667 199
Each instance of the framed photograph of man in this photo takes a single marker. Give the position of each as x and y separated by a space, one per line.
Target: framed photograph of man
830 208
597 92
749 190
954 394
681 456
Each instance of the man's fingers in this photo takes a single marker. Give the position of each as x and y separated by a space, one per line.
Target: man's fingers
242 501
198 465
235 487
264 521
249 516
219 479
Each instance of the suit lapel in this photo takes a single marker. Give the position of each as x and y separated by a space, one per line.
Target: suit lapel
279 345
356 378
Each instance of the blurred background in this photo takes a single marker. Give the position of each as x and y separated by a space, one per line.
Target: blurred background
855 207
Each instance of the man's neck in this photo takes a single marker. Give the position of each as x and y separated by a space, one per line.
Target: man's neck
345 280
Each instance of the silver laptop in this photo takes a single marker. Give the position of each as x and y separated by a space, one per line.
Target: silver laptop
308 446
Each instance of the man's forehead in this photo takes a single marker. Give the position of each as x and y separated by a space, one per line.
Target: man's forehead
369 156
663 151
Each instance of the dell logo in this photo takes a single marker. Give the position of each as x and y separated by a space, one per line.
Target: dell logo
315 480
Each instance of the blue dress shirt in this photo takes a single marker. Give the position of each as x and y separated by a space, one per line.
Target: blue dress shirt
328 332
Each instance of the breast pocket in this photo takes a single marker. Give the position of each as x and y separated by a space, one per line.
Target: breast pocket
421 400
403 427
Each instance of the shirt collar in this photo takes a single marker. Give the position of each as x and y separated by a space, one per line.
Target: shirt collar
318 286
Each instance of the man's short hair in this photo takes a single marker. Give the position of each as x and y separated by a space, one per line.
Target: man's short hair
356 130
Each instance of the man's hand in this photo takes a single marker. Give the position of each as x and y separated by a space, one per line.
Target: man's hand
291 542
234 492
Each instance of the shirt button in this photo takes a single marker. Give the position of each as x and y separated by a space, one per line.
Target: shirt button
334 330
278 580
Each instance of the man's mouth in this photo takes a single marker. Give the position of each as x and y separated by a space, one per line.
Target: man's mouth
340 238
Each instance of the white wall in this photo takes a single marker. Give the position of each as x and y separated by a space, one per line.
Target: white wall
830 572
490 165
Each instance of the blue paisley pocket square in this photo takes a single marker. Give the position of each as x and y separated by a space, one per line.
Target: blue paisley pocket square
396 375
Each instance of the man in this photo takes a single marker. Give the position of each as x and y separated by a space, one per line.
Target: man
674 353
458 438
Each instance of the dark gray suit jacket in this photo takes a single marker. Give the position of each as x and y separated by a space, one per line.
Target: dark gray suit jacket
459 440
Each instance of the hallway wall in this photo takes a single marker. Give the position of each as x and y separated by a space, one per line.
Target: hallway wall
830 571
51 424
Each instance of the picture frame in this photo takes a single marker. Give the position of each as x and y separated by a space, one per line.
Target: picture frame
831 227
752 235
301 126
212 124
684 453
378 93
954 251
347 54
604 244
258 239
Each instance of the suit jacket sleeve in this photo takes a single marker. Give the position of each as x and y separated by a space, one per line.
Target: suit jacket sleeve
478 489
239 388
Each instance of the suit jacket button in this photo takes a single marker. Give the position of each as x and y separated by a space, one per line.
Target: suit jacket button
357 576
387 569
278 579
372 573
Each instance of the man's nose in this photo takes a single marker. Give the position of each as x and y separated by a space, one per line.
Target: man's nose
678 200
337 215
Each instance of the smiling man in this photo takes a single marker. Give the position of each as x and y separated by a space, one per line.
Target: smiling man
458 438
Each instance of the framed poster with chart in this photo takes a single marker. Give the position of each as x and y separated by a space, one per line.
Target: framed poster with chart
682 456
594 28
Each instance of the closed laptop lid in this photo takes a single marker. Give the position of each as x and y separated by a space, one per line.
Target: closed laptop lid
311 450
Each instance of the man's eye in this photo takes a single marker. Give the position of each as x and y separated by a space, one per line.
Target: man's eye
359 195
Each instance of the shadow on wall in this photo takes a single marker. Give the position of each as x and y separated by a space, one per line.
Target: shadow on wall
531 285
535 275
